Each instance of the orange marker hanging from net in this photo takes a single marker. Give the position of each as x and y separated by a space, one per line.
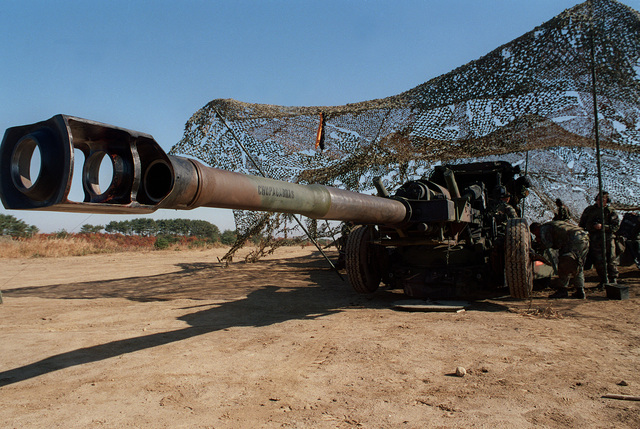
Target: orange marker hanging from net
320 133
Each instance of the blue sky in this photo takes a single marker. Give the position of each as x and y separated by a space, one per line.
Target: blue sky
149 65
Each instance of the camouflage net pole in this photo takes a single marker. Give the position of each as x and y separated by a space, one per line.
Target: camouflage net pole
532 94
596 131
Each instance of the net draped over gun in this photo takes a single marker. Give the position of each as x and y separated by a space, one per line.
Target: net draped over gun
533 94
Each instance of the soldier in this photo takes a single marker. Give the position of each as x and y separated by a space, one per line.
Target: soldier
629 232
503 210
591 220
520 191
563 212
572 243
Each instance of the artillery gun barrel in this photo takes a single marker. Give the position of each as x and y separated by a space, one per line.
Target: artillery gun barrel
145 178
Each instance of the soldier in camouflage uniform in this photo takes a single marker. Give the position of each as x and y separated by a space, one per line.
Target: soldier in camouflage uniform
502 209
572 243
563 212
591 220
629 231
520 191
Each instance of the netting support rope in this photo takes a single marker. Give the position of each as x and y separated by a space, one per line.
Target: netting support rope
253 161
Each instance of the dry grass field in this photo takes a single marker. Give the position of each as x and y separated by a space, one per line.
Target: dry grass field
52 246
170 339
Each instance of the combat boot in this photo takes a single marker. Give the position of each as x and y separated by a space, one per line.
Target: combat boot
579 293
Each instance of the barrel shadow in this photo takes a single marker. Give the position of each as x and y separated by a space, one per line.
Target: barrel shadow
305 290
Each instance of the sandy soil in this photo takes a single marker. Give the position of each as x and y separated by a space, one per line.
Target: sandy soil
171 339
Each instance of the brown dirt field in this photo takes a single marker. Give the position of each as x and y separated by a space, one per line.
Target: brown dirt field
170 339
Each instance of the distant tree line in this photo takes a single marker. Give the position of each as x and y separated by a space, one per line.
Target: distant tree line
14 227
165 227
175 227
201 229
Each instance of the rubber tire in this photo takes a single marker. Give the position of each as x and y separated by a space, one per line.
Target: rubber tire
361 260
518 266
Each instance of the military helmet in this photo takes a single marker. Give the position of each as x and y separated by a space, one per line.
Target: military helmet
501 192
605 194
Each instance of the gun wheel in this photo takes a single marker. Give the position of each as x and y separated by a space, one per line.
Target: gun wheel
361 259
518 264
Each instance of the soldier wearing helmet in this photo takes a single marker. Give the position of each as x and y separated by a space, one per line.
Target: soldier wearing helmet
502 209
563 212
606 262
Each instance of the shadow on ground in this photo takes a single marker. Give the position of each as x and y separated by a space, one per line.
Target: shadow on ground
252 295
259 294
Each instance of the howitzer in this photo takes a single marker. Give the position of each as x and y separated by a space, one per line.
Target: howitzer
435 237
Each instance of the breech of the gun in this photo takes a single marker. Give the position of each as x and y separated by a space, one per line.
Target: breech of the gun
145 178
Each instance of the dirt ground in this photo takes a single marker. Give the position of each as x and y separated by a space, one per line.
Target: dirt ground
171 339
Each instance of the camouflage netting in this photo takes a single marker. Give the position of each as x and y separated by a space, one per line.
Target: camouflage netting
529 101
